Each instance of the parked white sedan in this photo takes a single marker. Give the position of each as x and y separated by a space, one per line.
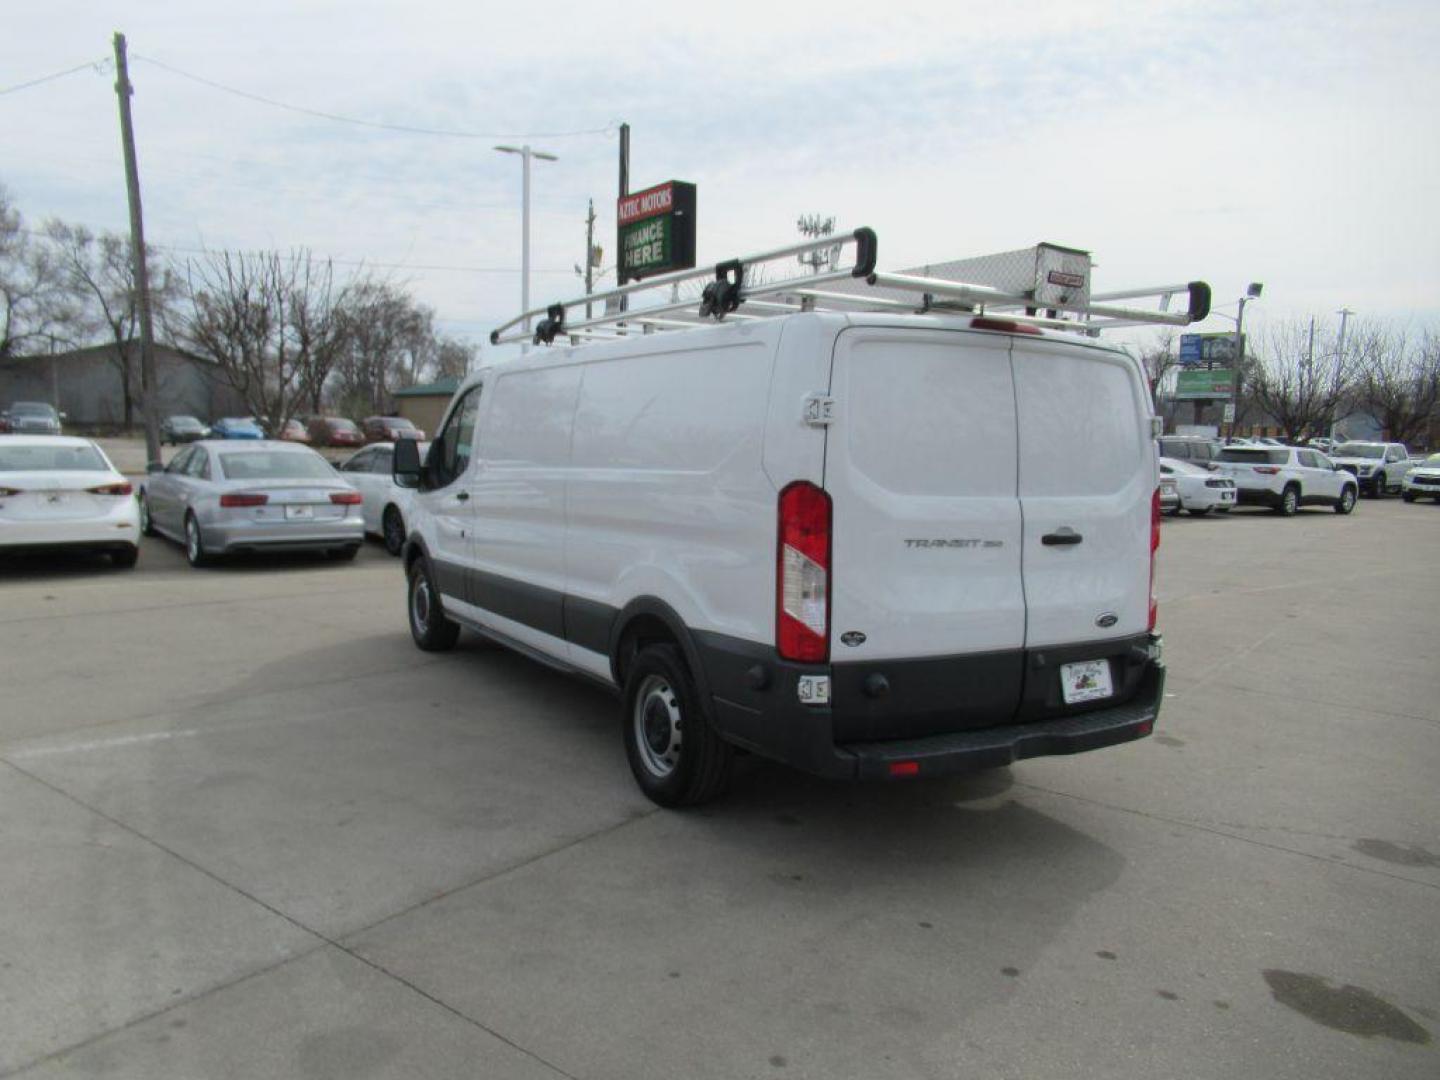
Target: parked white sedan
1200 489
62 492
387 505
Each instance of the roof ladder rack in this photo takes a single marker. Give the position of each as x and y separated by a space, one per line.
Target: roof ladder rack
1046 286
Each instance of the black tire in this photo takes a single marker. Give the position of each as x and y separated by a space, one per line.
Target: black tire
1201 512
1408 496
344 554
195 543
125 558
1289 501
674 753
431 630
147 527
392 530
1346 504
1377 486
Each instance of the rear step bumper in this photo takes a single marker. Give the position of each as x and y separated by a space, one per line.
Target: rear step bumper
769 720
966 751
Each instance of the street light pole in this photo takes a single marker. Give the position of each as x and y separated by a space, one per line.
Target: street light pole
526 153
1344 314
1252 292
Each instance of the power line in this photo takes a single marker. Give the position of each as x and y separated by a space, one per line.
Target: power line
98 66
178 249
408 129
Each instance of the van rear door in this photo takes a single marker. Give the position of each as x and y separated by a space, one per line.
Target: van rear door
926 579
1088 472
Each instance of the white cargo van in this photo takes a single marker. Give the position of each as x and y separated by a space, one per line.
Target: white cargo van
872 542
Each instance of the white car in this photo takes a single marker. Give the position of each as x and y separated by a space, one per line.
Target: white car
1200 490
1379 466
387 505
1422 480
1286 478
62 492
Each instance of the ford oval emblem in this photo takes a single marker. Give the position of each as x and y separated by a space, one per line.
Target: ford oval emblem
853 638
1107 620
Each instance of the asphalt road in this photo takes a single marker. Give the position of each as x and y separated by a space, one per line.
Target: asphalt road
247 830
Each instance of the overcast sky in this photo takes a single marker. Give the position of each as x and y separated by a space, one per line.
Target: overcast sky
1289 143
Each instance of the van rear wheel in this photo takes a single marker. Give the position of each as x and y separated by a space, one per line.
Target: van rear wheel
676 757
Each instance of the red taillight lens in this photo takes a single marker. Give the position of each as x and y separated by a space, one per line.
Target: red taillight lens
110 489
904 768
1268 470
345 498
802 575
244 498
1154 546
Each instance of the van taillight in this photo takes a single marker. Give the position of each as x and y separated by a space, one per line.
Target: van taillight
802 575
1154 545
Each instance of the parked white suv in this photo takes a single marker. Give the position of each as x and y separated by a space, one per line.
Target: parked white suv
1380 466
1286 478
843 541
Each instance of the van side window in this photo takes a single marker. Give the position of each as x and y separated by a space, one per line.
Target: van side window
451 453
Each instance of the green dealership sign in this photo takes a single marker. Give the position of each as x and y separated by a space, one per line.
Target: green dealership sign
656 230
1205 385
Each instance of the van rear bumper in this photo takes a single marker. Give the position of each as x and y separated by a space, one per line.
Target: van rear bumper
766 717
966 751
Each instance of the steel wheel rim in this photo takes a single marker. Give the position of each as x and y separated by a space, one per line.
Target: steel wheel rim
1292 501
1347 499
420 603
657 726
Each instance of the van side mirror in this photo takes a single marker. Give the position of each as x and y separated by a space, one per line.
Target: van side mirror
405 466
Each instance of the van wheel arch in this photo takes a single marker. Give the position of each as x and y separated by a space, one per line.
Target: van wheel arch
649 621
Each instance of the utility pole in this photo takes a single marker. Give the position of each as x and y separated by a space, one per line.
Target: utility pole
624 190
589 257
137 248
1344 314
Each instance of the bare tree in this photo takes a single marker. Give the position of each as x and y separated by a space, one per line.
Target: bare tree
1158 361
1299 380
36 307
1400 380
453 358
271 322
100 275
388 341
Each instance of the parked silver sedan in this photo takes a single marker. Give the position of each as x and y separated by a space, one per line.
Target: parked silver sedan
222 497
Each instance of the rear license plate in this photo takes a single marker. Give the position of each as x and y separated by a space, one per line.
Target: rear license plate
299 513
1088 680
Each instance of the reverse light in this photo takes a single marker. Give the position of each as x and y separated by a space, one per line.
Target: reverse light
802 575
346 498
109 489
244 498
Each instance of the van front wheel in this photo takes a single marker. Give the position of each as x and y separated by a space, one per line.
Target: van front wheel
431 630
676 757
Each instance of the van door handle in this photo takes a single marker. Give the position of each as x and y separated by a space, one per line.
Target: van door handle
462 496
1062 535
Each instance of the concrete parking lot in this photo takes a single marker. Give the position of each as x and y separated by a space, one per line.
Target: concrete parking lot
249 830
